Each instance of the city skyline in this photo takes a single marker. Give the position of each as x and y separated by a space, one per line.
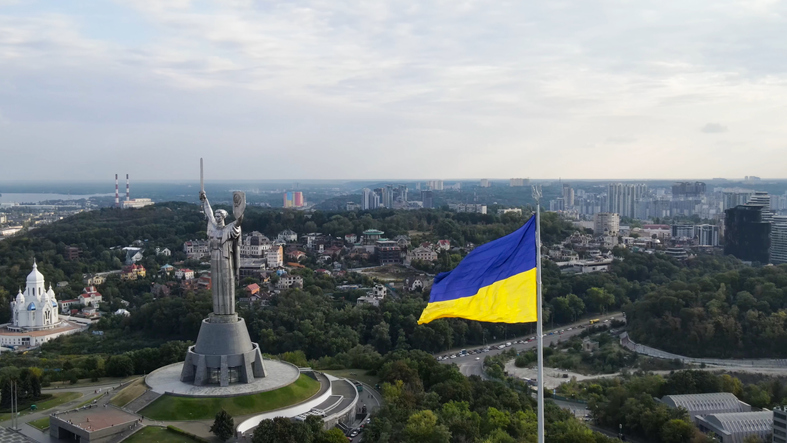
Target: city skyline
306 89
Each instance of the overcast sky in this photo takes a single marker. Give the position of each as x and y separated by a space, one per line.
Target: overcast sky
424 89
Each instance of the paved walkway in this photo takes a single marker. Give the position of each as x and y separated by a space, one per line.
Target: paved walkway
143 400
43 436
9 436
167 380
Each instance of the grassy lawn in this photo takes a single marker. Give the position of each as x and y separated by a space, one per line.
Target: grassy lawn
130 392
355 374
55 399
155 434
41 423
169 408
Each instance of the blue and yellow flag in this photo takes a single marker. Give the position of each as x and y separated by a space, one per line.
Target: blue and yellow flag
496 282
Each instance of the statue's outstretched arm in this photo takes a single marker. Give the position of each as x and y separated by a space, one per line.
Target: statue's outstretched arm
206 208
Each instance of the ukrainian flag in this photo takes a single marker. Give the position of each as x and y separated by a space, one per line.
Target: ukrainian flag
496 282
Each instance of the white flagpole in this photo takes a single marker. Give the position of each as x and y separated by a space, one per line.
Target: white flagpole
539 325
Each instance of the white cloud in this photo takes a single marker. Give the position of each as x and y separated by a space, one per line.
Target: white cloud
541 89
713 128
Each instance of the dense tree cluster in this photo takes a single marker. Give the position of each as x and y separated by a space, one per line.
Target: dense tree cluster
734 313
28 385
283 430
425 401
629 400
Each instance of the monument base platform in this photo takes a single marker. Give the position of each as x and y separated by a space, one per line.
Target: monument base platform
166 380
223 354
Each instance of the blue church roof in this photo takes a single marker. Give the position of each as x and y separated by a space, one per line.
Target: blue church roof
54 304
31 306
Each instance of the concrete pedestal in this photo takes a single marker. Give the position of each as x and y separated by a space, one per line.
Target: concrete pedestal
223 349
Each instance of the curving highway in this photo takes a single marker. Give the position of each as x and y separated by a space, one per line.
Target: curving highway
473 364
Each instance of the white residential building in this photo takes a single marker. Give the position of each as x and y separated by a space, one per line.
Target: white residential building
255 245
289 281
184 274
707 235
288 236
467 207
422 254
779 240
274 257
196 249
622 198
373 297
606 224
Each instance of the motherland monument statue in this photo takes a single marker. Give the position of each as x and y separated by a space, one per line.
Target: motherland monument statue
223 353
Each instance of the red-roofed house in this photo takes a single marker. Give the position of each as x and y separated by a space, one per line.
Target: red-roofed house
90 297
444 245
296 255
184 274
253 289
132 272
205 283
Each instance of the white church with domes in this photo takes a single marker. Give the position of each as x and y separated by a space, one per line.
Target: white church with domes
35 315
36 308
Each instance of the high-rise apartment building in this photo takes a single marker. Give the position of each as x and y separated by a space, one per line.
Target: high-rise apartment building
779 240
426 198
370 200
557 204
518 182
568 195
688 189
778 203
622 198
435 185
707 235
683 231
746 235
387 196
293 199
606 224
761 198
734 197
780 424
485 183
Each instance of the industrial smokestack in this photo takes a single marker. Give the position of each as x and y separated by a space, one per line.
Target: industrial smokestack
128 193
117 194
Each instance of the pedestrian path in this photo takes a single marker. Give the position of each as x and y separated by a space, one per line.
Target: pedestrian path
143 400
9 436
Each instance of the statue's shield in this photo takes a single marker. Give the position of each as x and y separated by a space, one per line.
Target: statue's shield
238 203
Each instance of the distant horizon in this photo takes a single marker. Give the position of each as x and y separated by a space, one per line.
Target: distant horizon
354 180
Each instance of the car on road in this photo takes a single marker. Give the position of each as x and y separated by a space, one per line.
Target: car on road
569 329
508 344
478 358
501 347
453 355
